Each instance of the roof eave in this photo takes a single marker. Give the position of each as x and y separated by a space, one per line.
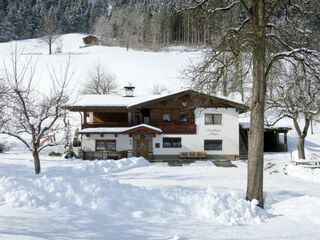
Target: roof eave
83 108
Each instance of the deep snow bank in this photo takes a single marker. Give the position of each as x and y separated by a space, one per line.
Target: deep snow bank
89 186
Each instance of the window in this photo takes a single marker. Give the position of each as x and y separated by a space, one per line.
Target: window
213 118
137 117
183 118
166 118
146 120
106 145
172 142
212 144
157 145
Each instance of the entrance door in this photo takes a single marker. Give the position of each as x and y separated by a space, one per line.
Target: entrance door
142 148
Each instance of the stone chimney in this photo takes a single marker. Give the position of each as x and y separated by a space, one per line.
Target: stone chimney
129 91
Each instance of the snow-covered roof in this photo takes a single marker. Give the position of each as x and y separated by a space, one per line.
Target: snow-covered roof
111 100
116 101
117 129
246 125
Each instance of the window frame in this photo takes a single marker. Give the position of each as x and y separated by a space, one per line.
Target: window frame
213 140
105 141
186 117
166 114
171 142
212 118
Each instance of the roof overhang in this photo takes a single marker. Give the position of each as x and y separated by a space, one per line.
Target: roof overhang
242 108
91 108
273 129
201 100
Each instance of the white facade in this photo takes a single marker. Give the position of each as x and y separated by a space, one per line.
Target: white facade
227 131
123 141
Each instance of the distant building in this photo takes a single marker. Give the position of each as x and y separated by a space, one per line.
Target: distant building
90 40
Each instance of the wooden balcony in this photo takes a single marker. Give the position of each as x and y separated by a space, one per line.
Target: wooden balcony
172 128
167 128
109 124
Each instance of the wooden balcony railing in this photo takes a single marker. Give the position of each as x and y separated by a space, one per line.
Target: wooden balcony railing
167 128
104 124
171 128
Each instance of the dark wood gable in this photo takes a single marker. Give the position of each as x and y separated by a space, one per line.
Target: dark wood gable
189 99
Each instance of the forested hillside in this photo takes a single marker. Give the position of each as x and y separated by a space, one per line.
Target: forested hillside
129 23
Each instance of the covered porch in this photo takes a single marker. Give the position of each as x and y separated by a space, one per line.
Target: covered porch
116 143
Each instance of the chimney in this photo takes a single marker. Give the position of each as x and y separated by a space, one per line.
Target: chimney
129 91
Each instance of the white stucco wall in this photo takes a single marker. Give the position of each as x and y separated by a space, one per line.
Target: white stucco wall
123 142
228 132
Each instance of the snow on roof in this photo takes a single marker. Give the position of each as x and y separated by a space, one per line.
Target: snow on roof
246 125
116 130
144 125
114 100
271 116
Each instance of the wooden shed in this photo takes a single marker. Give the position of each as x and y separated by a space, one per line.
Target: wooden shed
90 40
275 139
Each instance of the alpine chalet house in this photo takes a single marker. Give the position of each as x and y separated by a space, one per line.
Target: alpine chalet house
185 124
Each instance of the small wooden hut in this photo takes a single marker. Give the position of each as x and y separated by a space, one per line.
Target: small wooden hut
275 139
90 40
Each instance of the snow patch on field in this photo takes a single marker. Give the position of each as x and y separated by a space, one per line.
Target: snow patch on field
309 209
302 172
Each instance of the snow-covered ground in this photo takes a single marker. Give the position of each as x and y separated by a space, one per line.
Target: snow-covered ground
134 199
140 68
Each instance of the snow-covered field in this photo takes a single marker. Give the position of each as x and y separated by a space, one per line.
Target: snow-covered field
134 199
140 68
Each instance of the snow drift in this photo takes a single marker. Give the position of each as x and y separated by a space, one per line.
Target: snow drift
90 186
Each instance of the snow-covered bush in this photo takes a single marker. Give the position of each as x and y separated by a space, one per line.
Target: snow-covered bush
70 153
76 142
54 154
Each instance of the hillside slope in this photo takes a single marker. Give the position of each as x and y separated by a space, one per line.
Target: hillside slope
140 68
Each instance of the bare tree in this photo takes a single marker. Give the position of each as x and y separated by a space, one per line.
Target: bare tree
158 89
3 101
268 31
296 95
100 81
50 29
34 116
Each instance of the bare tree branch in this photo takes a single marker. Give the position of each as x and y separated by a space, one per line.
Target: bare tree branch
34 116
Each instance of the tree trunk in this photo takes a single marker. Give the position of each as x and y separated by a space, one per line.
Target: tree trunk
302 136
300 146
36 161
256 132
50 45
